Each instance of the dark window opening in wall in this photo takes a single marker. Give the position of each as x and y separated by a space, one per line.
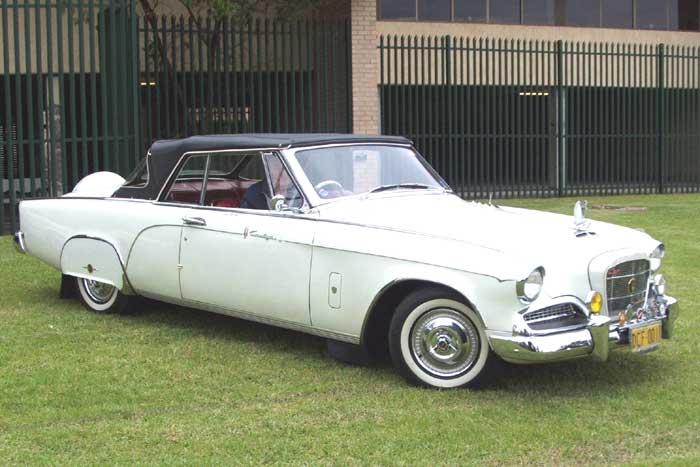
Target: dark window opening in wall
470 10
504 11
397 9
688 14
652 14
538 12
674 15
583 13
618 14
434 10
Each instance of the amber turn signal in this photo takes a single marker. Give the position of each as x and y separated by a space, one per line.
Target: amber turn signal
596 302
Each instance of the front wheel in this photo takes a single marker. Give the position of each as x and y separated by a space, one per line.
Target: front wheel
436 340
100 297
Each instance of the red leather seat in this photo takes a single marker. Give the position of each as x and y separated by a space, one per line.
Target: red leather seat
226 203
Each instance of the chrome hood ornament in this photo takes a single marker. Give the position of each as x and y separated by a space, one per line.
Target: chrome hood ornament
581 224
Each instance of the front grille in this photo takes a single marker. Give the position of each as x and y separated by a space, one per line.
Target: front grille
626 285
555 316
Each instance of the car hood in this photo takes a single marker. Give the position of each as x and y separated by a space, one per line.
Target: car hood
545 237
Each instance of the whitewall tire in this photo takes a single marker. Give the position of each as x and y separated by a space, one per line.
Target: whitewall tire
436 340
102 298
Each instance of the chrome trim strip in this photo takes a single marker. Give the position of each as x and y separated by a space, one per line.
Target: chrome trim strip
257 318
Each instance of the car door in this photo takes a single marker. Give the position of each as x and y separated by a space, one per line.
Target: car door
247 260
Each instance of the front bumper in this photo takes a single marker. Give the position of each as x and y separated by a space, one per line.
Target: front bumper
20 246
594 340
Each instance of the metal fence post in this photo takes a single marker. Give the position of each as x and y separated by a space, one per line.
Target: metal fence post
660 108
561 163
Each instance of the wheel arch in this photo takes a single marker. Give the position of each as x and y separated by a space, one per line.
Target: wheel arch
375 329
91 257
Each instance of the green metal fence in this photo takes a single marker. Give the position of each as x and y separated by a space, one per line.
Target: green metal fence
538 118
215 76
87 85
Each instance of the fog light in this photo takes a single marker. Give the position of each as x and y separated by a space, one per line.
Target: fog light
595 302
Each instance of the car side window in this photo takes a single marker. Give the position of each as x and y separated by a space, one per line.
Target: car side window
187 187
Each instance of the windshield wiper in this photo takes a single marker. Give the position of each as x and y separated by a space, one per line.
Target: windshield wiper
417 186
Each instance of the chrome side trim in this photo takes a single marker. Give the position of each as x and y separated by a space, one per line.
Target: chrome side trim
18 240
257 318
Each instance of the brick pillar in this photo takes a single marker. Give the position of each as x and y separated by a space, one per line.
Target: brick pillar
365 94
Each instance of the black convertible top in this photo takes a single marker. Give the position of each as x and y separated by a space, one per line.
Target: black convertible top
165 154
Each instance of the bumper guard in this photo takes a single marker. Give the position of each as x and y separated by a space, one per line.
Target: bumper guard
20 246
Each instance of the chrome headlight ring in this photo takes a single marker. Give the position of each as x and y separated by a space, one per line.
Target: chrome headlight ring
656 257
529 289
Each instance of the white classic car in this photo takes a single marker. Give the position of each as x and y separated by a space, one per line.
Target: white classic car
356 239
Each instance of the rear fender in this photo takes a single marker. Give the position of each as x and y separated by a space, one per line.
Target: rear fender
94 258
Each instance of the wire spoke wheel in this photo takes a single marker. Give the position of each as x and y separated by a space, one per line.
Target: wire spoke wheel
99 292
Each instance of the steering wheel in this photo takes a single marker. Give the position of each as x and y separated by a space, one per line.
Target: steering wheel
328 183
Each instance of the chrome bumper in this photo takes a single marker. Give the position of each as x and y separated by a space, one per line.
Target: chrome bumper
594 340
19 242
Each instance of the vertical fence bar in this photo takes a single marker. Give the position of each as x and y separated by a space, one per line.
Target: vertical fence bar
559 48
93 88
43 121
171 62
19 110
276 63
7 140
85 169
300 45
660 110
31 111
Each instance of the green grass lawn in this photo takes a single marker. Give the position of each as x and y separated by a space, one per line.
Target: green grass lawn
179 386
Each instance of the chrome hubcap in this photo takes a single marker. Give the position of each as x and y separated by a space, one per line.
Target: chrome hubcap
99 292
444 342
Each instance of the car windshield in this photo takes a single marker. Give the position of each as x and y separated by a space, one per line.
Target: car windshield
341 171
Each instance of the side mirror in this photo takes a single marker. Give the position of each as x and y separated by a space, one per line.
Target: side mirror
277 203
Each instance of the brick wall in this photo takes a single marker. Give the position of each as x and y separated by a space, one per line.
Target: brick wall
365 94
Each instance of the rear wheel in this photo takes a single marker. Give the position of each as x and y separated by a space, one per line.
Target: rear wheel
100 297
437 340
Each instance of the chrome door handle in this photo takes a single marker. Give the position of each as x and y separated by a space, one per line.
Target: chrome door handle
194 221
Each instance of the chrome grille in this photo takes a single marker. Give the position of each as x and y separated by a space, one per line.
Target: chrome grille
626 285
555 316
563 310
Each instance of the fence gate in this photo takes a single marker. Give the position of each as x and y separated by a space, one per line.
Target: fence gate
67 91
538 118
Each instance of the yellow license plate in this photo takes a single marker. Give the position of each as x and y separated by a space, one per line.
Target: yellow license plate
645 338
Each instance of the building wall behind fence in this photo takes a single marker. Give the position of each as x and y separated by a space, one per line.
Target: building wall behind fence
546 118
87 86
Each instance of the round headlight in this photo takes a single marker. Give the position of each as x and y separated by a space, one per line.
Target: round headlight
529 289
656 257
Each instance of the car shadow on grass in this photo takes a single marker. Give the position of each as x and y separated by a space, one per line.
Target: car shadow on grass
622 370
